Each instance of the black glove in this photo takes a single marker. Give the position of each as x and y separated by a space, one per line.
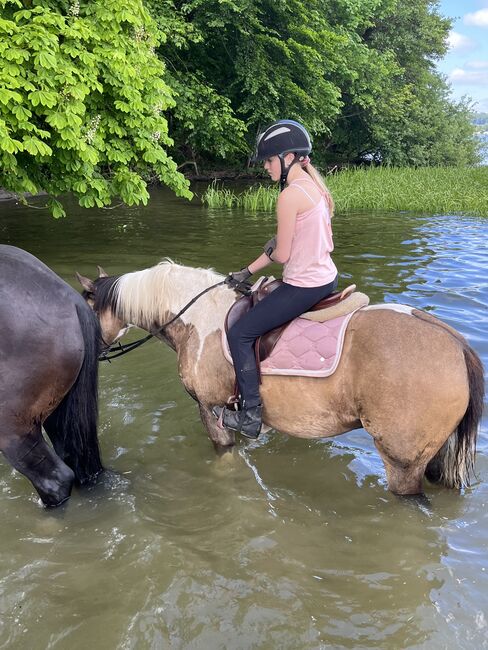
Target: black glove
237 277
269 247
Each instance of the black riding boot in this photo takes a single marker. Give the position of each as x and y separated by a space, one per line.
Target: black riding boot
247 421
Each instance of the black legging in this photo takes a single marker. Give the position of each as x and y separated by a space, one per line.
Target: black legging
282 305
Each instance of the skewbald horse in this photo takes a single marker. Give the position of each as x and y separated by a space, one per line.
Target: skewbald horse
410 380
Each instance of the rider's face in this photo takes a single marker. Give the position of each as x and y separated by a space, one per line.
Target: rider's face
273 167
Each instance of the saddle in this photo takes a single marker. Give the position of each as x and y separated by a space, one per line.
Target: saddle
346 301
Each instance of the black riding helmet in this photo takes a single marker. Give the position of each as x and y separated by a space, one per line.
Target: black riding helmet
282 137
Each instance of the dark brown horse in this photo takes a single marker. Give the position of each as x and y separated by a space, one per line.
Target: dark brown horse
49 344
410 380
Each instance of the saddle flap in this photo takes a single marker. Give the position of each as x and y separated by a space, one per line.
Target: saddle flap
237 310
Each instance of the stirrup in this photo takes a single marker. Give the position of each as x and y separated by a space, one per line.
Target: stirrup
247 421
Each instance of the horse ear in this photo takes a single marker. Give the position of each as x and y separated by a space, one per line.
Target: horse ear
86 283
101 272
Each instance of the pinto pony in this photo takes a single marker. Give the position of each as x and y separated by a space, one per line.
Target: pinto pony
49 346
411 381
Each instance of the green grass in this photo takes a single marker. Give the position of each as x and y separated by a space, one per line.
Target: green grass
441 190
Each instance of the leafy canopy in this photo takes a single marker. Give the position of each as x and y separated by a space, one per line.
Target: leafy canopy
360 74
82 102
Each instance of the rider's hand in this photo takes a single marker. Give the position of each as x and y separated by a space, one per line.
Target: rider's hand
269 247
236 277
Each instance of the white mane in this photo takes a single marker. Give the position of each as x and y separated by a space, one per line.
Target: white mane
151 295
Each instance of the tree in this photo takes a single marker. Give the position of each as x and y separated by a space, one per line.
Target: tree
358 73
243 63
82 101
413 119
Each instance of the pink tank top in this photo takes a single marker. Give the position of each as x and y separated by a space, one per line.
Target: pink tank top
310 263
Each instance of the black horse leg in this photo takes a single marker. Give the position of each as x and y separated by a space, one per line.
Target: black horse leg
32 456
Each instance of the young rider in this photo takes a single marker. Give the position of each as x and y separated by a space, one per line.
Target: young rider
303 243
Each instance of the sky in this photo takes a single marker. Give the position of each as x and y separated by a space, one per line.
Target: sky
466 63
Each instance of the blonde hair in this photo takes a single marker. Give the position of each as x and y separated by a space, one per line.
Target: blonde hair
317 178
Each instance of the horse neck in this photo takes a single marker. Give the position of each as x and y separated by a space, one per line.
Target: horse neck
150 298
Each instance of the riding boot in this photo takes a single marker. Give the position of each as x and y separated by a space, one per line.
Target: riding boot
247 421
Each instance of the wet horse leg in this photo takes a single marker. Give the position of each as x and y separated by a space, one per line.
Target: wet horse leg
32 456
222 439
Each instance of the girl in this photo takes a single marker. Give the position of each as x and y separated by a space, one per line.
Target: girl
303 243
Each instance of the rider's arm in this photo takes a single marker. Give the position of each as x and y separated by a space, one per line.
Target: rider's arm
259 263
286 210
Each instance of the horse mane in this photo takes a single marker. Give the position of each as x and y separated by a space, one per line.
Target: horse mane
146 297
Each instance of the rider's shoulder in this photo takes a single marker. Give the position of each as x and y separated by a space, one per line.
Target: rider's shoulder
289 197
291 191
301 192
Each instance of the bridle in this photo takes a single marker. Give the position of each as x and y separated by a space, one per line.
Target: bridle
118 350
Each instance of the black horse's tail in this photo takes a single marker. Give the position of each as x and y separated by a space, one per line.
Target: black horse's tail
72 426
453 464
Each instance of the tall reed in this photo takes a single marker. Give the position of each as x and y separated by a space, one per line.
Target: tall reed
447 190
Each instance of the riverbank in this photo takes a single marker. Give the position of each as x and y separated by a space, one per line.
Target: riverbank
426 189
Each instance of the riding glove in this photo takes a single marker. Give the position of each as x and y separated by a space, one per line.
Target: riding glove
238 276
269 247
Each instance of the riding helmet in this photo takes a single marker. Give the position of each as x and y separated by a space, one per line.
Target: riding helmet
282 137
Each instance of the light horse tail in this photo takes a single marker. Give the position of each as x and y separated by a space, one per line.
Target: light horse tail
72 426
453 465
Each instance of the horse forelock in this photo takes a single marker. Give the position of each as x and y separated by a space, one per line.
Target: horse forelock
106 294
147 297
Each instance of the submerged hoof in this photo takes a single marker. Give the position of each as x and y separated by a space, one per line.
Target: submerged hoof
55 490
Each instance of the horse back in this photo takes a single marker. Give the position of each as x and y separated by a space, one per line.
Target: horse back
42 345
31 292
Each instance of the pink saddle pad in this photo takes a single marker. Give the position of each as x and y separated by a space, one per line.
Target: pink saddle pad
305 348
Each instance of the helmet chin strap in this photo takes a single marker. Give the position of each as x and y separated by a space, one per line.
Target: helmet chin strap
285 170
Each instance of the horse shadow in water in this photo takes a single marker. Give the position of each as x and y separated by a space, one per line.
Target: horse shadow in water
409 379
49 347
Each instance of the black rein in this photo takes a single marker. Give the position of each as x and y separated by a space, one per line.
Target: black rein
119 350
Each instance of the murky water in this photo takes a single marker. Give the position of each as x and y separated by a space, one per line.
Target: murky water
292 544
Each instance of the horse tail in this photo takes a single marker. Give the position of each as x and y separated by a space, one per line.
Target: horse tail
72 426
453 465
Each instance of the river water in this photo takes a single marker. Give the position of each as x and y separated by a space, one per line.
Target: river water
287 544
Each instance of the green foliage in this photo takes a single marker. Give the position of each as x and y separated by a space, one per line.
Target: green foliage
412 119
441 190
202 121
254 199
98 97
82 101
358 73
444 190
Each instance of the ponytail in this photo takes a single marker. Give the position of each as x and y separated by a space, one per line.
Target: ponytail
319 181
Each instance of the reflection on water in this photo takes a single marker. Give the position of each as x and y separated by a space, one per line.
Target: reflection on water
289 543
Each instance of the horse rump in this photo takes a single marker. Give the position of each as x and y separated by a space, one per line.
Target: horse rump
72 426
453 465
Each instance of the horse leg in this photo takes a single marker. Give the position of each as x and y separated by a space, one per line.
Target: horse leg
32 456
403 478
222 440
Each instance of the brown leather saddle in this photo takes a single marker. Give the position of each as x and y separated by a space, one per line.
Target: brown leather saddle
266 343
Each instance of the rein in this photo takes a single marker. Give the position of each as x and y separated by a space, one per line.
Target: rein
119 350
